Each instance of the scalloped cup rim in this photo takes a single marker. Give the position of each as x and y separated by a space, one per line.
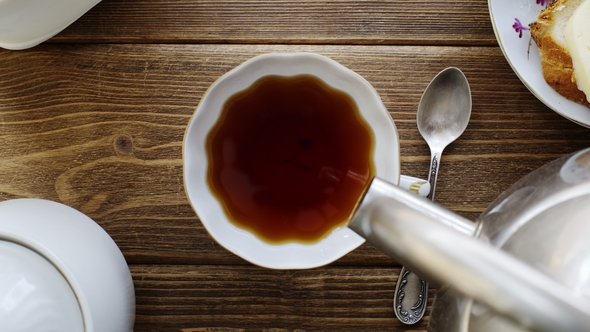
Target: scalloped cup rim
241 242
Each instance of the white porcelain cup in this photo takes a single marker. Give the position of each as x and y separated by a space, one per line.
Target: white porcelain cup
210 211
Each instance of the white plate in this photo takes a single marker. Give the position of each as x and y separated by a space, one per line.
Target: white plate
526 62
243 243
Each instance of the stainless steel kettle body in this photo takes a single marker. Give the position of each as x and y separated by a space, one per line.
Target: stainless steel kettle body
523 266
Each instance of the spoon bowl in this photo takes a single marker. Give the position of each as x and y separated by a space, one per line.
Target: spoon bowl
443 115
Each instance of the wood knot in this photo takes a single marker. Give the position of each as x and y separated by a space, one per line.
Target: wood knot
124 144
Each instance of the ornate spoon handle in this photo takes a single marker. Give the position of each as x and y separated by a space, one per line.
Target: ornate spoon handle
411 291
411 294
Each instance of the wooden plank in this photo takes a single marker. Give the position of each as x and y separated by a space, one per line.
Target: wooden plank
100 128
226 298
457 22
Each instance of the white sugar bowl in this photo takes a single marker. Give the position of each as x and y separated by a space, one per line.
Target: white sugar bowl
60 271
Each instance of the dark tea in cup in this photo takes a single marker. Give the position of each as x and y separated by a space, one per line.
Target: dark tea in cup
289 158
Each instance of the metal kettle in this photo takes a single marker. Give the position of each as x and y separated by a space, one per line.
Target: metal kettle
524 265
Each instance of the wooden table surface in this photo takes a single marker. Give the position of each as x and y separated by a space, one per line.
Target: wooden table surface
94 118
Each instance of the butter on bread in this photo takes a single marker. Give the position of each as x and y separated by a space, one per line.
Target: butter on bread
577 38
548 32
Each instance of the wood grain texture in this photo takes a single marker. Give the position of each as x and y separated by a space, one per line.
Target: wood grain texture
95 118
233 298
100 128
457 22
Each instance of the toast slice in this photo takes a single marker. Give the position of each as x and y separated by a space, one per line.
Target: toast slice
548 32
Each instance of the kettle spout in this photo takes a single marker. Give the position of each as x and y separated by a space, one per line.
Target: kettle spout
380 188
427 238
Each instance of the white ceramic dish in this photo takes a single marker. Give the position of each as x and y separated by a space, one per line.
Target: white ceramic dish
27 23
83 253
526 62
34 295
242 243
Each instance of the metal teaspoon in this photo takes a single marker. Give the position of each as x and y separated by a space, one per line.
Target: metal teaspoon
443 114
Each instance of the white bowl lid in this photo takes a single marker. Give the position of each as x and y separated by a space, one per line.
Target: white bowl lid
34 295
84 254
